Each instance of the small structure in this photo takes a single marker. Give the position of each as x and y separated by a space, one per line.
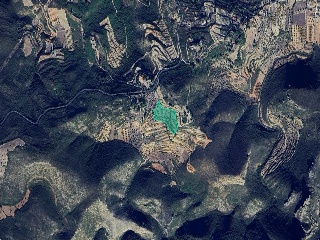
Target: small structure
299 30
305 25
48 47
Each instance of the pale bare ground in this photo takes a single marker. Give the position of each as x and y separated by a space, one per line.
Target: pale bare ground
59 17
27 46
27 3
117 50
9 211
4 149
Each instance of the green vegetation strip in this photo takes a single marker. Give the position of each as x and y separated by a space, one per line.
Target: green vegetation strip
167 116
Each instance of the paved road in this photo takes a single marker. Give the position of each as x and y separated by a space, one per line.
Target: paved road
87 90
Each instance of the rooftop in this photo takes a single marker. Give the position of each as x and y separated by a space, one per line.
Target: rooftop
299 19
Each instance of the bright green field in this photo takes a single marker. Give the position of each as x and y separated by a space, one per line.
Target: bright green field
167 116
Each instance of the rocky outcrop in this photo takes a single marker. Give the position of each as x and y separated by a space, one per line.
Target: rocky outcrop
309 213
285 147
